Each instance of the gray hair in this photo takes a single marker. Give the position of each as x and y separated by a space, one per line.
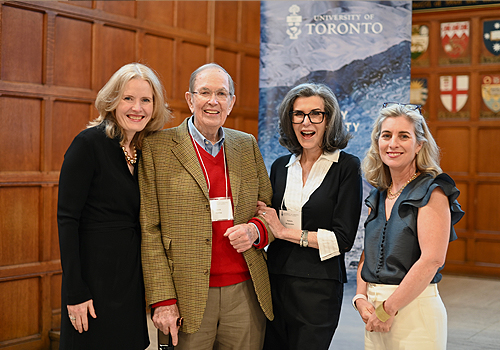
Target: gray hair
210 66
336 135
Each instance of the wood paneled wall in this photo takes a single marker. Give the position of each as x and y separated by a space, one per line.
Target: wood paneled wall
54 58
469 139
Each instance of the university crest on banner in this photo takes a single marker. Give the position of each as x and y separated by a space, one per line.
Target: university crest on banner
419 40
455 38
418 91
490 90
491 36
454 90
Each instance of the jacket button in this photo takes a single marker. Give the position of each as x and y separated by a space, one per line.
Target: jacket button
205 272
207 241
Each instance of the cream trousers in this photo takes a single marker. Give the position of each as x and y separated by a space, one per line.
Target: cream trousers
420 325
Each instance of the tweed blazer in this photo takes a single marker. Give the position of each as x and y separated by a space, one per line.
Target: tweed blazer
176 221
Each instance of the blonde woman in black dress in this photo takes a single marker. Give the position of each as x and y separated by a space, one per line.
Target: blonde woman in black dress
103 305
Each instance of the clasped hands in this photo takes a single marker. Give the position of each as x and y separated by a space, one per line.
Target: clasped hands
373 323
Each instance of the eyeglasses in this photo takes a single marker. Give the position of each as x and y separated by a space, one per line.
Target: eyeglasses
316 117
220 95
410 106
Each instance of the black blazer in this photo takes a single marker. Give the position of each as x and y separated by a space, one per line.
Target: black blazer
335 206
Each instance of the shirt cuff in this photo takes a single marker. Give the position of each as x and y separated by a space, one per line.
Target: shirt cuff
263 239
328 245
164 303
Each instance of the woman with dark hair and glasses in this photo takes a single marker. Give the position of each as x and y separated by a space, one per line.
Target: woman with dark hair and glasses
316 205
412 211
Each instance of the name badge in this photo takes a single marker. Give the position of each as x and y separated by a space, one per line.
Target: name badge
221 209
291 219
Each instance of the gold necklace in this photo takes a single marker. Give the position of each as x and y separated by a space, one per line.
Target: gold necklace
391 195
130 160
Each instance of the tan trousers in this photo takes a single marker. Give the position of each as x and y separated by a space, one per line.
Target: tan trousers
233 320
422 324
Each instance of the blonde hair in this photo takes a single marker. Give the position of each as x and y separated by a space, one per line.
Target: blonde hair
426 160
110 96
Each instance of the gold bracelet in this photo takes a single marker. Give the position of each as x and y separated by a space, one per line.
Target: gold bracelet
382 315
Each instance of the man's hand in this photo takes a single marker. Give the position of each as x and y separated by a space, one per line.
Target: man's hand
165 318
242 236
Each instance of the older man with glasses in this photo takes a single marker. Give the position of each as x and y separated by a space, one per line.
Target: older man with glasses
202 248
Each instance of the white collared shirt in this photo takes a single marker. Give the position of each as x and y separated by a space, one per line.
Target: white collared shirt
295 199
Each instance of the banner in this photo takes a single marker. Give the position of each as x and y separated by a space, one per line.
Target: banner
360 49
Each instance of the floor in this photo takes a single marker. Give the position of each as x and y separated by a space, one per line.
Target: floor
473 306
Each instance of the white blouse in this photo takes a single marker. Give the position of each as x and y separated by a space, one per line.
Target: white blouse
294 199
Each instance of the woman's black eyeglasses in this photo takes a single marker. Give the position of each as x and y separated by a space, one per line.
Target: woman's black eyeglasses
316 117
410 106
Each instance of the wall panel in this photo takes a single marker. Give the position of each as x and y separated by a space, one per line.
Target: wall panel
69 118
19 225
468 137
73 52
25 319
22 45
20 150
54 58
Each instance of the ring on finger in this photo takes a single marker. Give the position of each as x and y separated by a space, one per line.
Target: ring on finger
72 318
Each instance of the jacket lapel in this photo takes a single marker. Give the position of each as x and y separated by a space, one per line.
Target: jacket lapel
234 165
186 154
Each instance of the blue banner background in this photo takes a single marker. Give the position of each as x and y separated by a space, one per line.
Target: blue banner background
361 49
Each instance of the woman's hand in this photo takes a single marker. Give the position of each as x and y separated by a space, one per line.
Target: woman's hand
375 325
271 217
78 315
365 309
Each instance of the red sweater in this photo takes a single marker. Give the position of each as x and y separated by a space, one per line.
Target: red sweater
228 267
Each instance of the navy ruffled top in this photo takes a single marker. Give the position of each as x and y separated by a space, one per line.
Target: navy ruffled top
391 246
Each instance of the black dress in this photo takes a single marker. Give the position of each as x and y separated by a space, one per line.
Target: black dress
99 237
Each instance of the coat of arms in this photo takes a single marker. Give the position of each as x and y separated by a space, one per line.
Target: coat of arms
490 90
455 38
418 91
491 36
419 40
454 91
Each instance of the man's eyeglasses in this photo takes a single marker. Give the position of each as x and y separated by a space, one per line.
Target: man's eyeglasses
316 117
410 106
220 95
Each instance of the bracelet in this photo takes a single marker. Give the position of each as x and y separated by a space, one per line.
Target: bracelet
382 315
304 243
356 297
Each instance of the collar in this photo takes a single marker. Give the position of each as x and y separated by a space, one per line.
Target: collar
332 157
202 140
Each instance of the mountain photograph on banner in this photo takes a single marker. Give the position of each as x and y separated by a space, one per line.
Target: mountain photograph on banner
360 49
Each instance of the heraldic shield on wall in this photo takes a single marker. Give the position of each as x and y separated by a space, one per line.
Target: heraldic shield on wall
490 53
455 42
454 91
490 91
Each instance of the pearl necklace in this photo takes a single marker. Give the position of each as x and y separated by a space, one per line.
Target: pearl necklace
130 160
392 196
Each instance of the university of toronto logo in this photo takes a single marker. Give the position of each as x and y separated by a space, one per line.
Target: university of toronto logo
294 20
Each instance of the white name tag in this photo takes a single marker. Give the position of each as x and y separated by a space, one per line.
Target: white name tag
221 209
291 219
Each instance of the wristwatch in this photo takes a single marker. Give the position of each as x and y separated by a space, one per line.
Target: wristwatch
304 243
